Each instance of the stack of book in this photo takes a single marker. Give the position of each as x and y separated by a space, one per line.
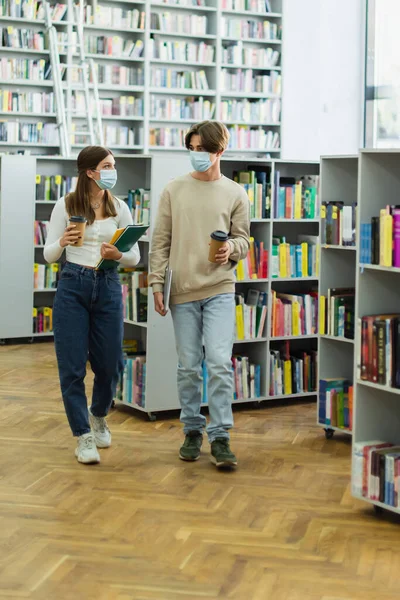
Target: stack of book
292 372
256 183
252 138
40 232
295 260
107 16
376 471
380 239
255 266
42 319
24 68
336 403
139 204
336 313
296 197
338 224
176 109
182 51
134 295
45 276
379 360
53 187
16 132
131 388
28 102
250 29
240 55
251 314
294 314
170 78
167 137
246 80
179 23
246 379
255 111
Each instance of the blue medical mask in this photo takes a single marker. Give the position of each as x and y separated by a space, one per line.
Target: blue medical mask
108 179
200 161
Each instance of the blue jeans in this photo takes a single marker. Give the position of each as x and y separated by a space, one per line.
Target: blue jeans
213 321
88 324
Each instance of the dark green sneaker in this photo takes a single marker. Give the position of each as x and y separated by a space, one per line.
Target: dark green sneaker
221 454
190 450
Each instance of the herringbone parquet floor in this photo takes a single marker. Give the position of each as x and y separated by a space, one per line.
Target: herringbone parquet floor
145 526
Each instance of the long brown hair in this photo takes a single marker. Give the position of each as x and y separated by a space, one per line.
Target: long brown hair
77 203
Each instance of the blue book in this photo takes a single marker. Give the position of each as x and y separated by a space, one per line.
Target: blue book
257 381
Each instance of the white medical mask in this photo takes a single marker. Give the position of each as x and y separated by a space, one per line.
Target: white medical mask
200 161
108 179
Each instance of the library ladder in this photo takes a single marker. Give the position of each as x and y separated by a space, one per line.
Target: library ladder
75 71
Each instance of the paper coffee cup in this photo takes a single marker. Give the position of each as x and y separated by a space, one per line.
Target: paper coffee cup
218 239
80 225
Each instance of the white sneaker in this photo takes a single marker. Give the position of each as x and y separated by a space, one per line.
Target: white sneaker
86 451
102 435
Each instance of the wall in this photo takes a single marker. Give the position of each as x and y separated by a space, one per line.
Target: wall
323 66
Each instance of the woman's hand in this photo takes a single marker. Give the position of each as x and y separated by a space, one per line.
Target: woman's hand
70 237
223 254
110 252
159 303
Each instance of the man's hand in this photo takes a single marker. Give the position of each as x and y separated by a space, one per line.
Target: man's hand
110 252
223 254
159 303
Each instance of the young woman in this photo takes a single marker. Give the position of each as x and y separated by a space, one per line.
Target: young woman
87 314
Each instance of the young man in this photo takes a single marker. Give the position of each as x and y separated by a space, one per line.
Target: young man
202 293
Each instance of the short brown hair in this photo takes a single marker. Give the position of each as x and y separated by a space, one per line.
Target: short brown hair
214 136
78 202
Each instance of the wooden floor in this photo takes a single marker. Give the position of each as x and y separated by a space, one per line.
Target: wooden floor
143 525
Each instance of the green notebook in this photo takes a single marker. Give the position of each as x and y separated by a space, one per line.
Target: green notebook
123 239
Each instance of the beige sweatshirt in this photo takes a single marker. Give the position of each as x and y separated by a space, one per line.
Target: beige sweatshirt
189 211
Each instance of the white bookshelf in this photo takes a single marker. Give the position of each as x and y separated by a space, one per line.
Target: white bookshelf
339 180
146 124
376 407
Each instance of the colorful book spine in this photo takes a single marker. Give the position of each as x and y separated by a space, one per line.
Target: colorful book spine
251 315
294 314
335 403
292 372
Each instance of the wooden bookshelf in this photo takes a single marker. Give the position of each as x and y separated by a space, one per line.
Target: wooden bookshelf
338 270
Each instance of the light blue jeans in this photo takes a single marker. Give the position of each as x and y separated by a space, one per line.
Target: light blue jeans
212 322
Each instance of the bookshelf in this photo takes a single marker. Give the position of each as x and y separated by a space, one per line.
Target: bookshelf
376 407
177 64
339 179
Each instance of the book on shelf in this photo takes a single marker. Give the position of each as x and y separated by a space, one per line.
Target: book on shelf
296 197
379 349
255 6
338 224
244 137
40 232
131 387
106 16
336 313
250 29
42 319
380 239
45 276
246 379
256 183
295 260
251 314
28 39
181 108
139 204
251 111
181 51
27 102
117 75
255 266
26 69
118 47
32 10
246 80
294 314
335 407
292 372
164 77
134 295
241 55
376 471
167 137
170 22
16 132
53 187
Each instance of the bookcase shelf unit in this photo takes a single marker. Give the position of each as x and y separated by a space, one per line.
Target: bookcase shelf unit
376 406
161 390
339 182
169 111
